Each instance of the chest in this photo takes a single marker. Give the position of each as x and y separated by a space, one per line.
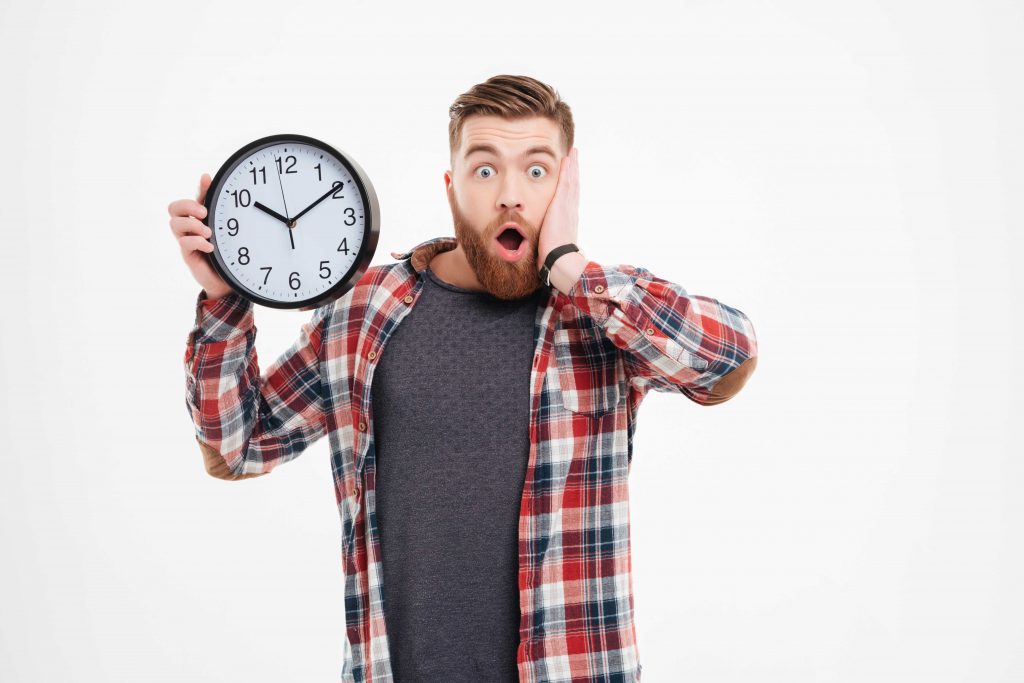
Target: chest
458 353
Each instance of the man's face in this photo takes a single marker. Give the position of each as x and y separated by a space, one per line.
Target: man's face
502 175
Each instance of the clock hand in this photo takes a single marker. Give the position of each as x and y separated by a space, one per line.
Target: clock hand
281 185
325 196
273 213
290 222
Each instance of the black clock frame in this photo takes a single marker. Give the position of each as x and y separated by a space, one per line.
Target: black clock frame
371 223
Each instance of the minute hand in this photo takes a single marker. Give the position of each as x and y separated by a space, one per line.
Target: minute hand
325 196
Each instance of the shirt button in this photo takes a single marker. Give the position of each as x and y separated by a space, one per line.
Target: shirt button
362 426
599 289
650 330
372 354
408 298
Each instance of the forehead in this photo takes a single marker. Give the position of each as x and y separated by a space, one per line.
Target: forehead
510 137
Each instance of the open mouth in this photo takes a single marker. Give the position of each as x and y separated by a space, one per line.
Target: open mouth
511 242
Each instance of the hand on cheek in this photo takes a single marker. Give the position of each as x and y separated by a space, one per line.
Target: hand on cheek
561 219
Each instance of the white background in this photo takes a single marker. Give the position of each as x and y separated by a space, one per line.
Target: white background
849 175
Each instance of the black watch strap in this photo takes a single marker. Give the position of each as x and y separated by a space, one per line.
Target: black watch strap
545 270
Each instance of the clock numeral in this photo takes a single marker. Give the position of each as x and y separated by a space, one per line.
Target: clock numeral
293 281
263 171
323 268
341 186
243 255
242 197
268 269
350 213
232 226
343 247
319 176
289 169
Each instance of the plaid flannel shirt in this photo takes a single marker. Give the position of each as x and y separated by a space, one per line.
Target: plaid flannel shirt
619 332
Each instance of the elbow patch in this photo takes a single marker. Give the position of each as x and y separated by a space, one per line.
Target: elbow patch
731 383
217 467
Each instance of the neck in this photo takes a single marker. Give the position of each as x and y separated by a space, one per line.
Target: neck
452 267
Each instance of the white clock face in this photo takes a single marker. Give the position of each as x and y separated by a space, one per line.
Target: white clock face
288 221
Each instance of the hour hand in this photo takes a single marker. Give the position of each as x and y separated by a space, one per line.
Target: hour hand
273 213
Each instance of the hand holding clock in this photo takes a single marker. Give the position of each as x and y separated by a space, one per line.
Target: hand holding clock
187 226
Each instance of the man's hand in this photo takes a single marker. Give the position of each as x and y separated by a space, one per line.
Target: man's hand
559 226
560 222
193 240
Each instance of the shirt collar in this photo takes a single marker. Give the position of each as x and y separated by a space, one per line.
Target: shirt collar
423 252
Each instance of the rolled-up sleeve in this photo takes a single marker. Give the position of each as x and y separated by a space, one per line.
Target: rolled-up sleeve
671 340
247 424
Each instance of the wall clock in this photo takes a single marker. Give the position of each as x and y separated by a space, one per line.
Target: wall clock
295 222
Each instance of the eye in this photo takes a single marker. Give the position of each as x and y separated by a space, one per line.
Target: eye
479 168
544 171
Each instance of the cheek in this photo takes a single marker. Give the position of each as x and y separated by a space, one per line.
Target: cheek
474 202
547 188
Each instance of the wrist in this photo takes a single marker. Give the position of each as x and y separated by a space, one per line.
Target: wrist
213 294
549 259
566 270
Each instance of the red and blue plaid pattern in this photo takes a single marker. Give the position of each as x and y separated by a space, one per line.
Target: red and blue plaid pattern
619 332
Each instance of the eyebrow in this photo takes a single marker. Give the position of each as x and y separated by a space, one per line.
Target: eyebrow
483 147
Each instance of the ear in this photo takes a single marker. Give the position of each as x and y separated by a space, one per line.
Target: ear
447 181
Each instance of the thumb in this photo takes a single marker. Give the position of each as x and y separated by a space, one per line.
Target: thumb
204 185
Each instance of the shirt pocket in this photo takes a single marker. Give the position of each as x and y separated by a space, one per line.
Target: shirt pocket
586 366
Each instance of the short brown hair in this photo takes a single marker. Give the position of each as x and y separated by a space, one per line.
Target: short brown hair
510 97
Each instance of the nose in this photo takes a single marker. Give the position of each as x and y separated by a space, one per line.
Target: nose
510 197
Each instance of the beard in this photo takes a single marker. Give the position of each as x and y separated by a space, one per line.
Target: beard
501 278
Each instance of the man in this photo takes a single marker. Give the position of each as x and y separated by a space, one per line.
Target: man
480 417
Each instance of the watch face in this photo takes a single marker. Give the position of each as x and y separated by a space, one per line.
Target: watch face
294 221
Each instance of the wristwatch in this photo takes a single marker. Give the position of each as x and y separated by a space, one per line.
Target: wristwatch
545 270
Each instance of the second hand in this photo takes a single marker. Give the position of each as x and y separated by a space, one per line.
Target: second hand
291 235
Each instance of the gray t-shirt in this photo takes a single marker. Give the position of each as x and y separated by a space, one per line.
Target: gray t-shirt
451 406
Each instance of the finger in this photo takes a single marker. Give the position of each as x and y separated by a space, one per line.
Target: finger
189 225
576 166
563 173
191 243
186 207
565 181
204 185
